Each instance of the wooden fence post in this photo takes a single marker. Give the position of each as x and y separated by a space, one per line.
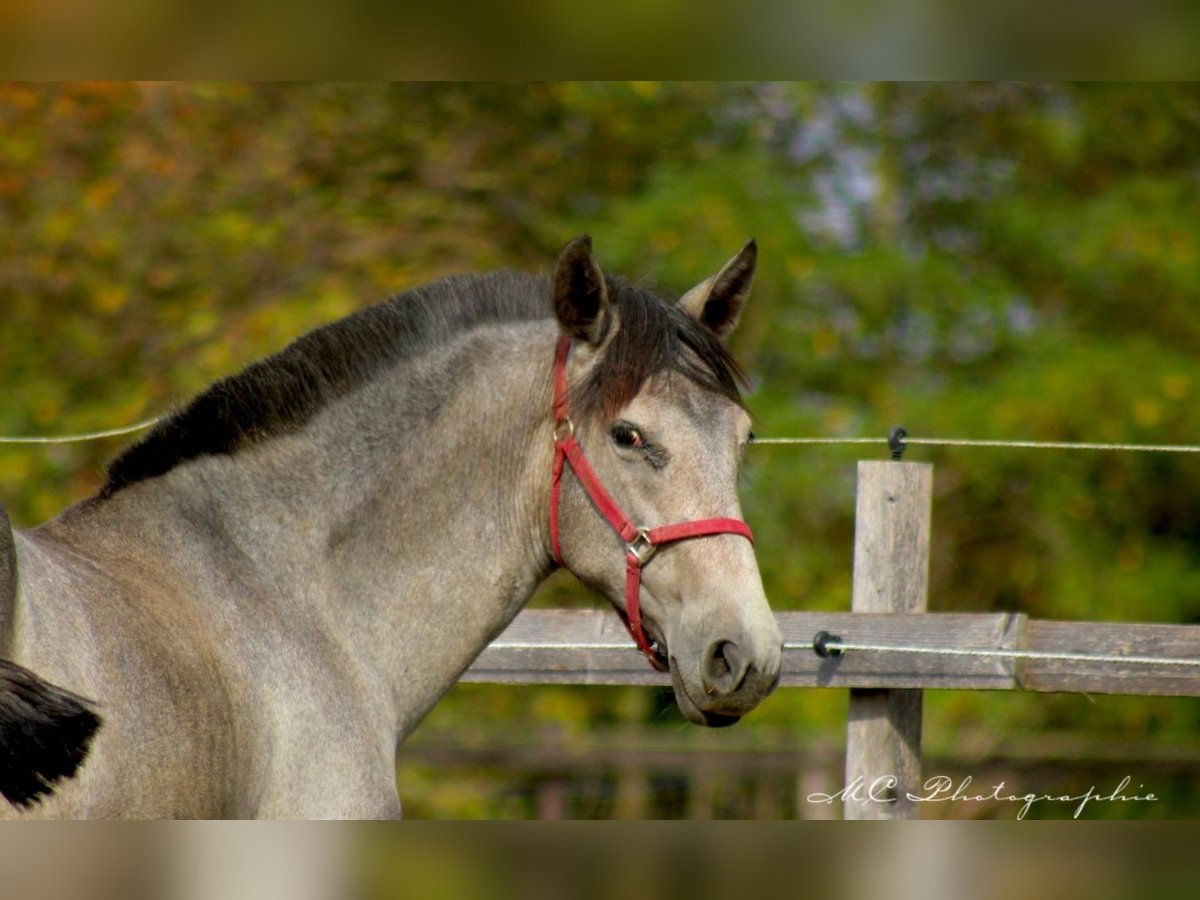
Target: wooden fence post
891 575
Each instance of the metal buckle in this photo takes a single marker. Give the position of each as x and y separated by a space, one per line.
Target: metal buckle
563 429
642 547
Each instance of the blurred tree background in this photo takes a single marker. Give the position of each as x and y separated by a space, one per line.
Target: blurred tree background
972 260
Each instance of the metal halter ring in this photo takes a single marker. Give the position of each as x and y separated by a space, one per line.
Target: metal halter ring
563 429
641 547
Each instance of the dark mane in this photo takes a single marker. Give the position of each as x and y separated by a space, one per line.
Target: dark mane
280 393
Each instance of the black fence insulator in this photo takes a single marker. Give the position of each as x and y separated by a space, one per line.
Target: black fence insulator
826 645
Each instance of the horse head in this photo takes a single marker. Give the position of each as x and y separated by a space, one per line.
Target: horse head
650 421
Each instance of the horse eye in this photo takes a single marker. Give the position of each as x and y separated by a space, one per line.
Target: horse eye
627 436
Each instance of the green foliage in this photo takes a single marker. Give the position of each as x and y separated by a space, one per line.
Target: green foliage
994 261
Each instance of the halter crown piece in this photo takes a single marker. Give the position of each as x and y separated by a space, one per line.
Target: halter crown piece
640 543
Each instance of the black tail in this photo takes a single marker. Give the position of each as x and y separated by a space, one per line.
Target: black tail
44 734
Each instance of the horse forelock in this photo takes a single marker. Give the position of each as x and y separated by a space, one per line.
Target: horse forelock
654 336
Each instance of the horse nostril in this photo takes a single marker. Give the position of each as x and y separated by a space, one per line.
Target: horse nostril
723 670
719 664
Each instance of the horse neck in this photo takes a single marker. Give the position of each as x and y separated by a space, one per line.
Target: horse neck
447 538
409 518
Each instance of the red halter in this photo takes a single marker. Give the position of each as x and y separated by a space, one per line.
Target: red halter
640 543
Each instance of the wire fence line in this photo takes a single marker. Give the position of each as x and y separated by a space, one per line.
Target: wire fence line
835 647
767 441
977 442
78 438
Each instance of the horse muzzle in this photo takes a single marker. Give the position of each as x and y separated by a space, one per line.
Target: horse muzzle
724 681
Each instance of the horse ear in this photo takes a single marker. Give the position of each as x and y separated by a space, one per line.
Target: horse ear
580 297
718 302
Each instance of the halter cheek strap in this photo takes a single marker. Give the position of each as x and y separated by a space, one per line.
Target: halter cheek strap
640 543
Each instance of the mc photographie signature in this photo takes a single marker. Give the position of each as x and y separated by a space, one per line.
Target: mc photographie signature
943 789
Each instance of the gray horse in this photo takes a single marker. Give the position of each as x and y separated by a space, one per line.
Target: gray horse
274 587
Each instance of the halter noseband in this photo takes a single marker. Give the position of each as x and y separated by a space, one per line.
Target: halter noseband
640 543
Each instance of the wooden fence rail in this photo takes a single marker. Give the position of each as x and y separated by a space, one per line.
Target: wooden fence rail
544 646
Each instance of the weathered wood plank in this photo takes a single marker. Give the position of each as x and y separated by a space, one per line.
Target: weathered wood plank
1117 639
545 652
562 646
891 537
880 669
891 575
553 646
